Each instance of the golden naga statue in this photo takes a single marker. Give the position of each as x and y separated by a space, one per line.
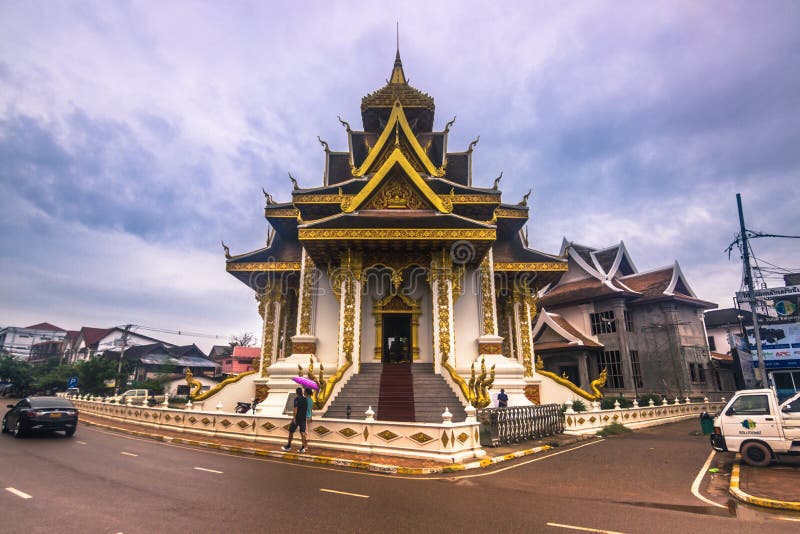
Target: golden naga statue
321 395
194 385
479 386
595 385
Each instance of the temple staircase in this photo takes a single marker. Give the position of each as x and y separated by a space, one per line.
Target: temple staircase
360 392
397 392
432 395
396 398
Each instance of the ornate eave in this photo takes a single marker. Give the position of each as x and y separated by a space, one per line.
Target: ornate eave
397 158
396 124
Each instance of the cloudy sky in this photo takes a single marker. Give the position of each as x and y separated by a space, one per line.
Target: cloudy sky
136 135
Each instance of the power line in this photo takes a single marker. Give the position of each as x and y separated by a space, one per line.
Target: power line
178 332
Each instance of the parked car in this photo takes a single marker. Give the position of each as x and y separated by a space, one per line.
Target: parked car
14 391
138 396
41 414
756 425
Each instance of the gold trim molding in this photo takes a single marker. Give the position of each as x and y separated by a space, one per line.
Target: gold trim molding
412 234
531 266
263 266
291 213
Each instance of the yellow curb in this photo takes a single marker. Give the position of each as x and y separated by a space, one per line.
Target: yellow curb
758 501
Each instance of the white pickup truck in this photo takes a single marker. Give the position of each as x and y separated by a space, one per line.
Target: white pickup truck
756 425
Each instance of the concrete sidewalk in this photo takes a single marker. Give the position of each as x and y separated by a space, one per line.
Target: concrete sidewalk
319 455
776 486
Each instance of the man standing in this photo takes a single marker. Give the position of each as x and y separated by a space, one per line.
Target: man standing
502 399
299 413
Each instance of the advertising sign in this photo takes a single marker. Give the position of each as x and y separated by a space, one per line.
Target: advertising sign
780 344
778 304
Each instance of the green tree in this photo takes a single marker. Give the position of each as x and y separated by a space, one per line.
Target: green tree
54 379
93 373
15 371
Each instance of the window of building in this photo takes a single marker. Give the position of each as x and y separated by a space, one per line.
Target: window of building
693 372
637 369
628 321
603 323
701 373
610 361
712 344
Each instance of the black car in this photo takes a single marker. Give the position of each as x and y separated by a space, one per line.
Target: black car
41 413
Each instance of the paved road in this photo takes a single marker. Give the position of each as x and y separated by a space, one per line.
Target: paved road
109 483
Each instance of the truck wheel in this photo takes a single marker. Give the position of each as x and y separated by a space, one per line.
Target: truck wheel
756 454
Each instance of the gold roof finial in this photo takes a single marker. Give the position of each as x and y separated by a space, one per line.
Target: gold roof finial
398 76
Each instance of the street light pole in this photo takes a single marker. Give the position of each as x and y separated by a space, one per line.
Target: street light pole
121 357
748 279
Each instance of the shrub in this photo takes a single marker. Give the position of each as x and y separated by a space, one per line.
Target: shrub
644 399
608 403
613 429
577 405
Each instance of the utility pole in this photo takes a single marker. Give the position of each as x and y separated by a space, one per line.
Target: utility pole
121 357
748 279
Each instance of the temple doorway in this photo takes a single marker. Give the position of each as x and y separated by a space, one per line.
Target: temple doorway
396 338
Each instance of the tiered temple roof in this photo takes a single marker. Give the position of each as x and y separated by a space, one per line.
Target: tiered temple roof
396 189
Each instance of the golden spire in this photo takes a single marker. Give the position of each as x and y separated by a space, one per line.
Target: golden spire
398 76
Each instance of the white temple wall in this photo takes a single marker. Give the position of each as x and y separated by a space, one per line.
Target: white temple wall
368 327
425 326
326 323
467 320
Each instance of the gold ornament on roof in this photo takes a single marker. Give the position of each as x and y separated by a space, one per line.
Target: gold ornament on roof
344 123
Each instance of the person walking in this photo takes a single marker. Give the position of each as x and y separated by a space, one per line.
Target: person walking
299 414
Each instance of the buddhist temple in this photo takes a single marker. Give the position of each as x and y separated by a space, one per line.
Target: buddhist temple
400 278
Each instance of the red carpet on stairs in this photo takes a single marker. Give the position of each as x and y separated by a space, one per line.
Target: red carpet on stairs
396 401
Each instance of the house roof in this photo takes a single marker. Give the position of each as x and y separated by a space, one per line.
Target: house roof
92 336
45 326
727 316
246 352
159 354
721 357
570 337
584 290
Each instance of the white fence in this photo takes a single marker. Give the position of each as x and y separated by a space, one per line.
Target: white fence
447 441
589 422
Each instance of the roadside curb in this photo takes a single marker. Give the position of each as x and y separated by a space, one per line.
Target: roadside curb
736 491
339 462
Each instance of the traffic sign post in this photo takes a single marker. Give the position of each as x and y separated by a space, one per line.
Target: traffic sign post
72 382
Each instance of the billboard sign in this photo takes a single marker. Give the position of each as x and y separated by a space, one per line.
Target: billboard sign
778 304
780 344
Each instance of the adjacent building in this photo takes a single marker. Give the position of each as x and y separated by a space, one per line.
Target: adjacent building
18 341
644 327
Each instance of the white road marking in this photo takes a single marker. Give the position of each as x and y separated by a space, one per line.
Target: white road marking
321 468
539 459
81 442
345 493
19 493
208 470
788 519
699 478
128 453
585 529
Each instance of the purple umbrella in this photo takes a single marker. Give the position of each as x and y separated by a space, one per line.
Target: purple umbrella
305 382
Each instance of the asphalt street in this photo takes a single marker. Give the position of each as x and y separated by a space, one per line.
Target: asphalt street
103 482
